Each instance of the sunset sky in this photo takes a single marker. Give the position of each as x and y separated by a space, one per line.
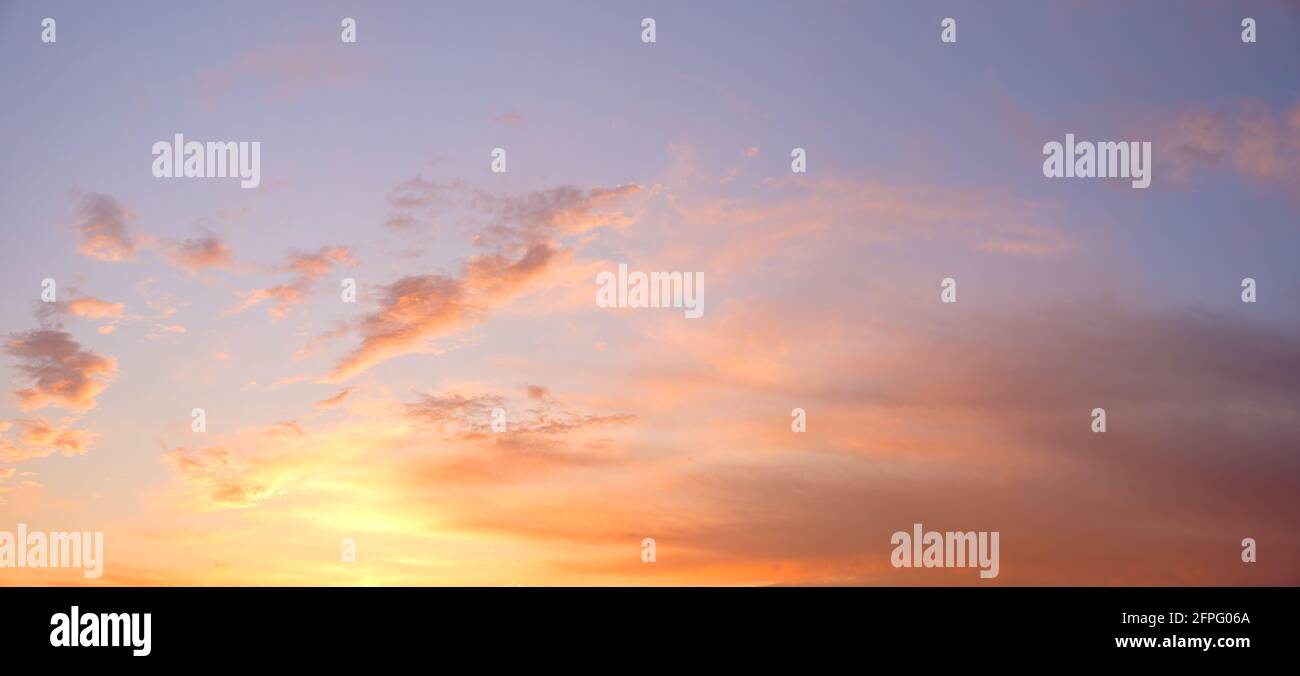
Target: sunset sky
371 420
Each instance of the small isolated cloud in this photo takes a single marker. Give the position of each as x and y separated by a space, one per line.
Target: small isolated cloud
417 192
65 374
201 253
87 307
335 400
164 330
94 308
511 118
102 223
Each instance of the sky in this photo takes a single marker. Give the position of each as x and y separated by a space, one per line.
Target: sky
370 422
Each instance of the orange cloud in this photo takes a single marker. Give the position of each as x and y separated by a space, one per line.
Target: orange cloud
95 308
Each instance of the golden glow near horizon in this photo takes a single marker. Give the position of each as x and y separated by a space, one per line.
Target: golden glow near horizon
276 311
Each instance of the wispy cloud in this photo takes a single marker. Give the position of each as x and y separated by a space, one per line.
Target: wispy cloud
224 479
284 72
1253 139
305 270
